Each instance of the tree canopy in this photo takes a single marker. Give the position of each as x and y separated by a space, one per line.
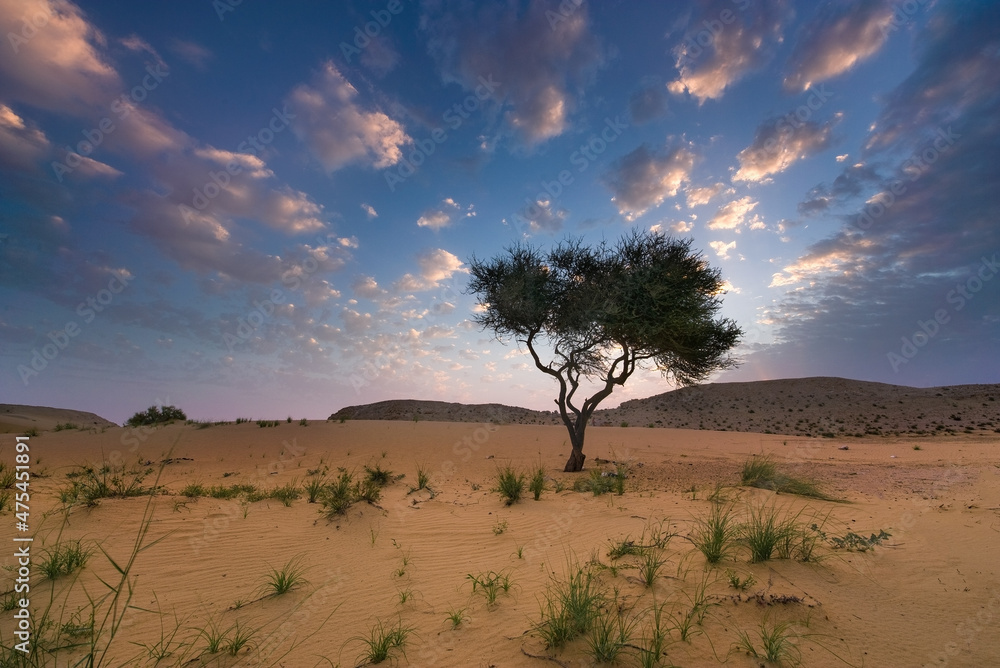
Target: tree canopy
603 311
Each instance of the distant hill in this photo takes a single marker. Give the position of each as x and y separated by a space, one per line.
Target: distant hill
821 406
15 418
440 411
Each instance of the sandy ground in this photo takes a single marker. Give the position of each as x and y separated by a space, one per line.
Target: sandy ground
930 595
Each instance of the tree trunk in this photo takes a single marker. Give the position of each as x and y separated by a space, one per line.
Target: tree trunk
576 458
575 462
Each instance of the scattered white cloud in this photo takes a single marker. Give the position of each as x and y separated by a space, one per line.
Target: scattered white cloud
721 248
733 214
644 178
338 131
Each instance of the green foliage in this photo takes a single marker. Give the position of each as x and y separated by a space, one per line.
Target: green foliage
763 473
776 644
510 485
649 566
596 482
736 582
155 415
313 489
853 542
383 640
570 608
715 536
764 531
609 635
286 493
456 617
283 580
241 637
605 311
490 584
377 475
537 484
88 485
63 559
338 496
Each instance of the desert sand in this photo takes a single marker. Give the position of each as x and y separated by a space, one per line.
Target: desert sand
927 595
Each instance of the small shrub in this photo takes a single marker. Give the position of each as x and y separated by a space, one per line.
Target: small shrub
286 493
338 495
762 472
64 559
537 484
313 489
490 584
736 582
155 415
499 527
456 617
776 644
570 608
510 485
382 641
290 576
715 536
764 532
193 490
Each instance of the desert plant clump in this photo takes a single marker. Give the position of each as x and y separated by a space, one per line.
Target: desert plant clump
283 580
313 489
64 559
490 584
338 496
762 472
286 493
88 484
570 608
716 535
777 644
155 415
509 485
382 641
537 484
765 532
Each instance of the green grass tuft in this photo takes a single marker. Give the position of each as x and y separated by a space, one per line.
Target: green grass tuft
510 485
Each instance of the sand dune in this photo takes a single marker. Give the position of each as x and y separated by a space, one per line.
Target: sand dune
931 591
17 419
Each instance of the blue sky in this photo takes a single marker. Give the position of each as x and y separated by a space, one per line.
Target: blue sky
263 209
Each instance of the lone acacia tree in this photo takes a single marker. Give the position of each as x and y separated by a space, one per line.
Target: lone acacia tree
603 312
